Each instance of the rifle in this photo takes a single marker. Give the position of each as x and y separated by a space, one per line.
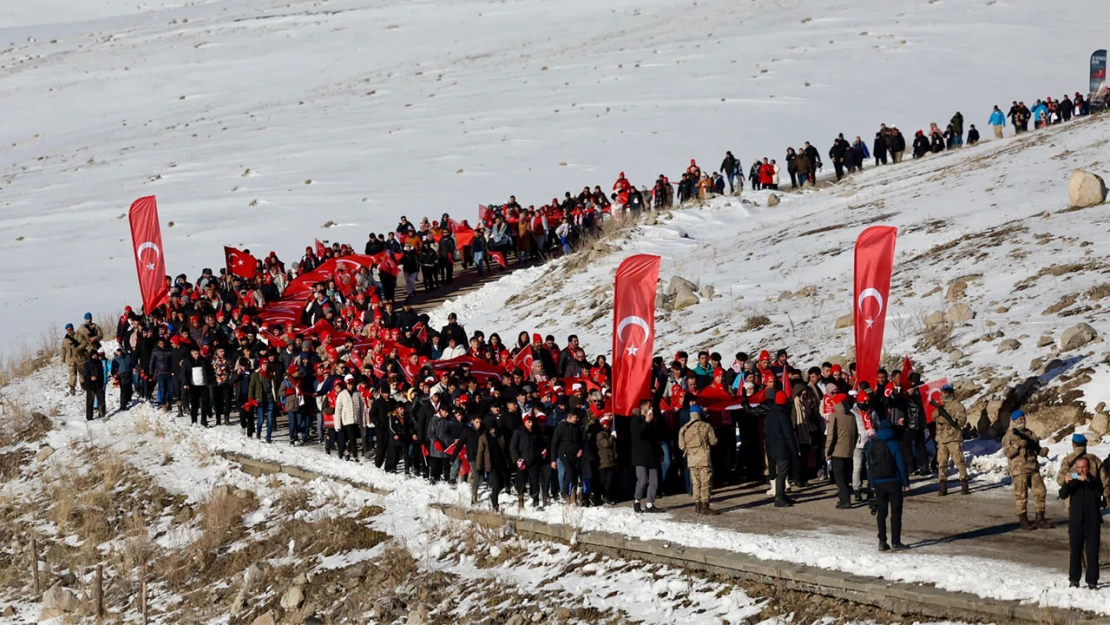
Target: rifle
947 417
1034 445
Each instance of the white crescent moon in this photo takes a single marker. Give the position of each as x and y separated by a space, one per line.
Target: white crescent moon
148 244
339 262
633 320
871 292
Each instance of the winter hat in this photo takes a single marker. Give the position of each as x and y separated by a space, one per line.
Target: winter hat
69 326
862 397
836 369
1078 440
831 389
536 338
948 388
88 316
1017 415
306 345
764 355
781 398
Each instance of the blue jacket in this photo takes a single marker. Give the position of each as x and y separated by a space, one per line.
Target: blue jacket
1038 110
998 118
885 435
121 366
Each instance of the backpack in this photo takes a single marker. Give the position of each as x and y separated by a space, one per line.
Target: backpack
881 461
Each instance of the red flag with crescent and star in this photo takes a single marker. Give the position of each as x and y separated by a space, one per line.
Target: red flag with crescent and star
524 359
240 264
931 391
499 257
874 265
320 249
633 330
146 237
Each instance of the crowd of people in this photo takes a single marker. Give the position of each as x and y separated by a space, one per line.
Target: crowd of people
532 416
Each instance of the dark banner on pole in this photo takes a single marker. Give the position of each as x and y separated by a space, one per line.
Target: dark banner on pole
1098 70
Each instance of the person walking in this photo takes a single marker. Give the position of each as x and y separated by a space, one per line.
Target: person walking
950 420
1023 450
526 450
782 447
840 442
122 371
889 477
492 460
645 457
92 380
695 440
729 168
1083 490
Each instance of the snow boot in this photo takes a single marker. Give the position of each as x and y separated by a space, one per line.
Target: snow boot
943 488
1040 522
963 487
706 510
1023 518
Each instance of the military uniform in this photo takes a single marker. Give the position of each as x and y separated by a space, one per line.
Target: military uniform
950 442
74 355
695 440
1025 469
90 335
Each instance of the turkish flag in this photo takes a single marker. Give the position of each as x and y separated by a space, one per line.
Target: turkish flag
464 234
146 237
320 249
499 257
480 369
524 359
931 391
453 225
907 368
874 264
420 332
485 215
240 264
387 264
633 330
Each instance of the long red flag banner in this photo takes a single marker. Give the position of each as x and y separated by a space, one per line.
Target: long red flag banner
874 265
633 330
150 262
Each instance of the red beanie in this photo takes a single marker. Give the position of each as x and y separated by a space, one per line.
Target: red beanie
764 355
781 398
536 338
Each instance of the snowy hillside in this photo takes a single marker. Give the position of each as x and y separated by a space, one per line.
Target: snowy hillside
986 228
257 121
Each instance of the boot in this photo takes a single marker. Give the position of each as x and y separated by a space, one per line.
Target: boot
1023 518
963 487
72 391
636 507
520 501
943 488
698 508
1040 522
706 510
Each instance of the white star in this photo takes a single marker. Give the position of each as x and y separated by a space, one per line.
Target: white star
632 350
150 266
870 322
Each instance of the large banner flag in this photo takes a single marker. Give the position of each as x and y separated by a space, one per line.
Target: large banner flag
1098 70
931 392
240 263
485 215
146 237
633 330
524 359
874 265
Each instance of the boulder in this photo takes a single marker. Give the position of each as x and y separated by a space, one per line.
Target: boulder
772 200
959 314
44 452
845 321
1045 341
954 355
1046 420
1008 345
293 598
708 291
934 319
1077 336
1086 189
1100 424
672 286
684 297
265 619
60 598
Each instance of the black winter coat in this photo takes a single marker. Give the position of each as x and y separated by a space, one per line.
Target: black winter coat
527 445
645 443
92 374
568 440
779 433
1086 496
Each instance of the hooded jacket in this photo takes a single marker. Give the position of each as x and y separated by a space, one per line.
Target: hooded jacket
695 440
885 436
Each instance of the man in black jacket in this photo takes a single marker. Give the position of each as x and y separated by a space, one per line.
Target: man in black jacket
1085 522
527 451
468 442
92 380
196 372
838 153
567 445
453 330
781 445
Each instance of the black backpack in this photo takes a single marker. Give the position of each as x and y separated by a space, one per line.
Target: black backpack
881 461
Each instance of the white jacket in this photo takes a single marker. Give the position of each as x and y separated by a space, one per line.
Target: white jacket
348 408
775 176
452 352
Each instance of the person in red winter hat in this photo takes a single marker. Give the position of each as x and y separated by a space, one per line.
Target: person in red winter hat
782 447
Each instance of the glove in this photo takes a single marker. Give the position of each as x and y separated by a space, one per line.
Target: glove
438 446
520 464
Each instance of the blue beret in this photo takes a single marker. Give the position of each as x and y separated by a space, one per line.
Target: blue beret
1079 439
1017 415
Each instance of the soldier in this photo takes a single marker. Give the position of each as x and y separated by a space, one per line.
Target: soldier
90 334
1079 450
950 421
74 356
695 440
1022 448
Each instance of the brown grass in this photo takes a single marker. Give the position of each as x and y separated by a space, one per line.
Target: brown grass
755 322
27 360
292 499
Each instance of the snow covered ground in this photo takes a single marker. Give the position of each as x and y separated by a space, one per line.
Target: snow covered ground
226 109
